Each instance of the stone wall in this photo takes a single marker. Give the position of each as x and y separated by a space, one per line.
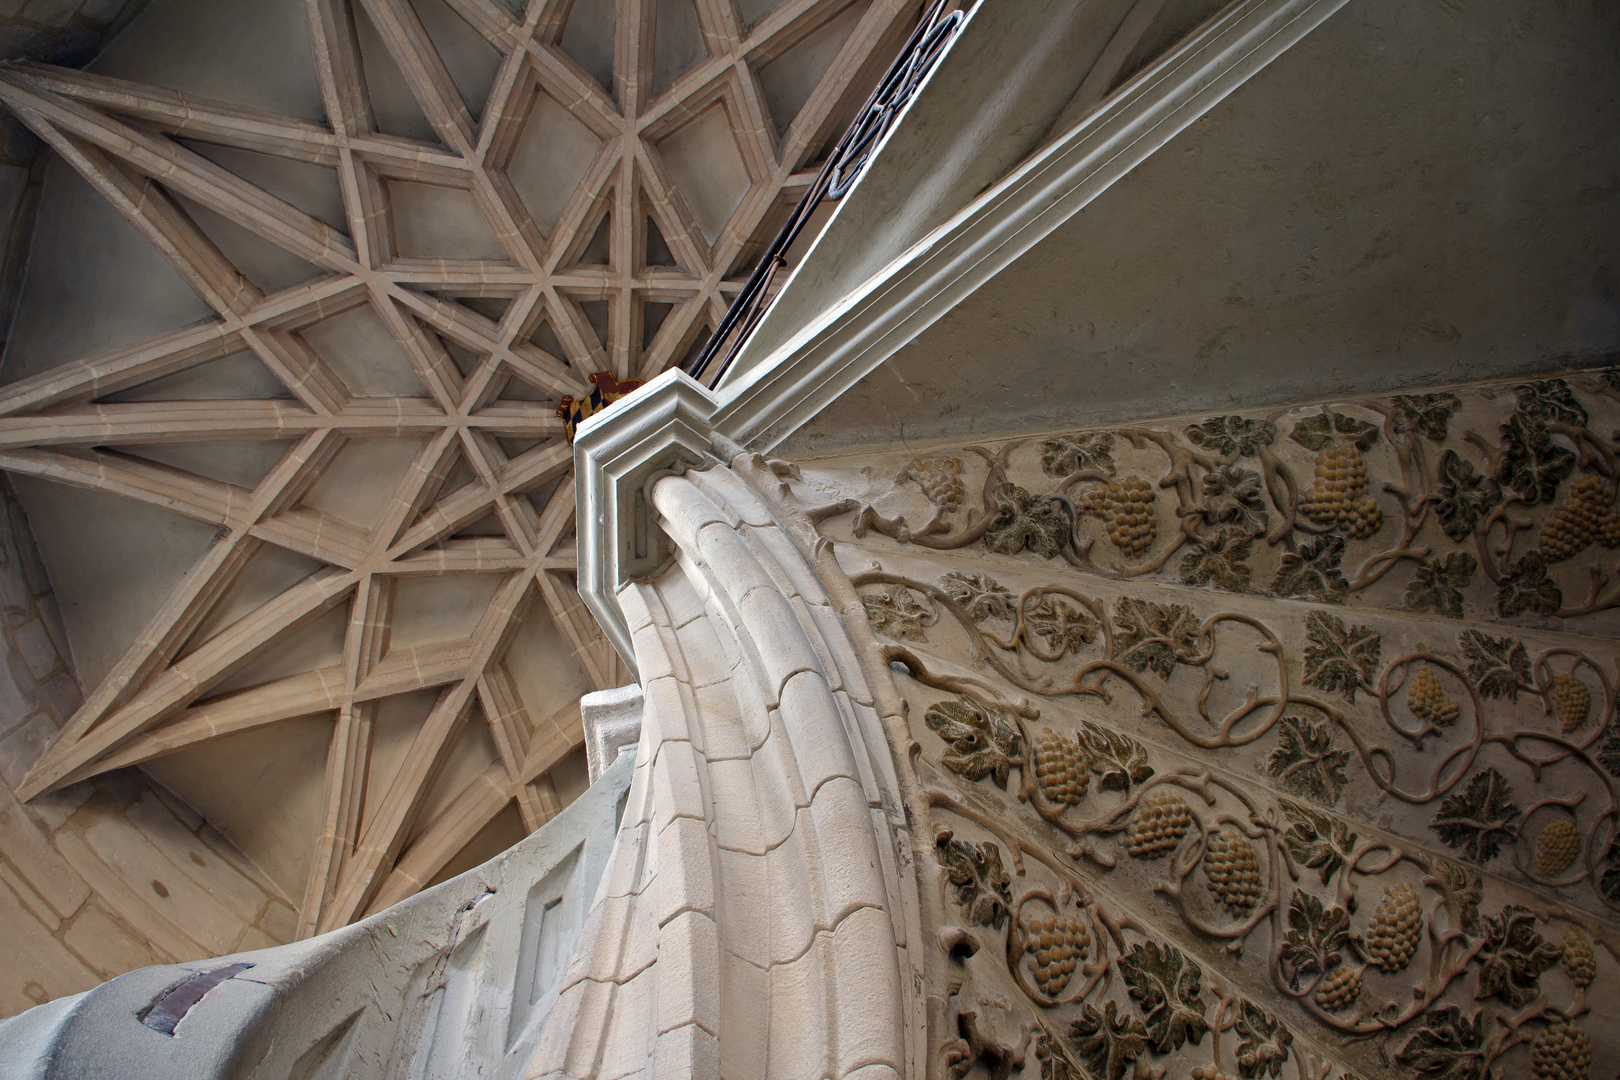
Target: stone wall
104 876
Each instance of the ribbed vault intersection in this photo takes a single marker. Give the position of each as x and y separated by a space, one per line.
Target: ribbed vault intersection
490 205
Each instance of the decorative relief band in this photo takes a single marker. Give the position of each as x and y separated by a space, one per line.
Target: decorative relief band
1265 746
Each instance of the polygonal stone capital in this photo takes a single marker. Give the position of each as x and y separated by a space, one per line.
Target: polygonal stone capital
665 426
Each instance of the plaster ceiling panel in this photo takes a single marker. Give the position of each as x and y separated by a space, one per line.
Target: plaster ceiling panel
440 222
588 39
359 348
471 60
599 315
473 753
656 251
314 189
429 609
247 52
546 338
1314 234
261 789
677 42
264 263
789 80
243 463
397 721
488 525
754 10
111 562
493 308
89 261
392 102
545 683
270 572
708 168
316 644
359 483
598 250
552 156
504 830
572 775
239 375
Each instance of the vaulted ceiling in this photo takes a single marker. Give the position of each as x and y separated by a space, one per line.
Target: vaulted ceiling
306 282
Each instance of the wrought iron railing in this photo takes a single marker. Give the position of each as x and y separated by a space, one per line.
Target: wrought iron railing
842 168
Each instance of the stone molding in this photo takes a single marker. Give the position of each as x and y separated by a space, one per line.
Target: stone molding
768 398
612 720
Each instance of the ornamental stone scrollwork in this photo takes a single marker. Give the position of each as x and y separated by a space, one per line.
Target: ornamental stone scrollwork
1491 502
1269 745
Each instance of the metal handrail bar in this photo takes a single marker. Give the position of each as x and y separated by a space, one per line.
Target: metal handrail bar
833 181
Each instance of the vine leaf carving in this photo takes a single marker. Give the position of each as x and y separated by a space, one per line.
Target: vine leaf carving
980 595
1315 432
1263 1042
1151 635
1168 988
1514 956
1609 879
1446 1045
1232 435
1481 819
1315 840
896 613
1532 464
1053 1065
1067 454
1222 558
1498 667
982 886
1232 496
1339 657
1427 414
1120 759
1064 627
1305 762
1609 754
1313 571
1464 890
1528 588
1465 496
982 743
1316 936
1551 399
1439 583
1108 1043
1026 520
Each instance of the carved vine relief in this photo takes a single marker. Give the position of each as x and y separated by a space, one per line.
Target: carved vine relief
1489 502
1232 838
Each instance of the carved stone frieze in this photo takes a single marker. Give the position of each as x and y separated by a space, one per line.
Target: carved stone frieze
1266 745
1491 502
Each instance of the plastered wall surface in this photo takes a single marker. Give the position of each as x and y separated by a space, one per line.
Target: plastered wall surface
1417 192
105 876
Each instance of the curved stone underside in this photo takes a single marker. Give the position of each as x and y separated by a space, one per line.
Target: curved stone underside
362 431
